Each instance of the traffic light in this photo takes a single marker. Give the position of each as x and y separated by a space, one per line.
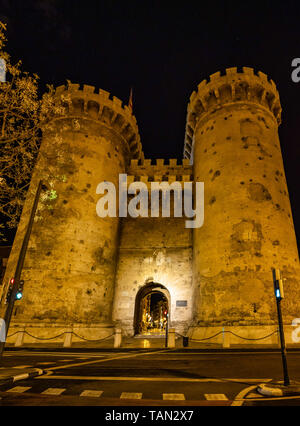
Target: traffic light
19 293
8 294
278 284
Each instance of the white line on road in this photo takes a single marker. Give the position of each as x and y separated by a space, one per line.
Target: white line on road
151 379
239 399
131 395
53 391
80 364
173 397
215 397
22 366
91 393
19 389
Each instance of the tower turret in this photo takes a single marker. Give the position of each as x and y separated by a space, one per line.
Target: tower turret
232 140
69 268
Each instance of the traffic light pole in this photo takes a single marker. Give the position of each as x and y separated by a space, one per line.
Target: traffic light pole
282 344
167 331
19 267
279 294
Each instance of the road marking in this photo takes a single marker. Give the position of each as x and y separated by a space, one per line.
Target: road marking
53 391
79 364
91 393
45 363
173 397
20 377
58 354
19 389
131 395
149 379
23 366
239 399
252 395
215 397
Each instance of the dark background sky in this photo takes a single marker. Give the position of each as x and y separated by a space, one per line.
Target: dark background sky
163 50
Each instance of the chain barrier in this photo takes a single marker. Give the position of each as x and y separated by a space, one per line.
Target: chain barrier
111 335
227 331
59 335
89 340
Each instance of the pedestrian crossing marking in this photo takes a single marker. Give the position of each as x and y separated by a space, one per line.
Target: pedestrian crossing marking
131 395
53 391
215 397
174 396
19 389
91 393
126 395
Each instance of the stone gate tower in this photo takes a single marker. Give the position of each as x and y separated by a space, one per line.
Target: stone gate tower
71 260
94 273
232 139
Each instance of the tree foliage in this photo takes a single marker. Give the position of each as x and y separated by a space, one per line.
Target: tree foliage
23 116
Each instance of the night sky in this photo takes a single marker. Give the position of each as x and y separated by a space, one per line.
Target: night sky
162 50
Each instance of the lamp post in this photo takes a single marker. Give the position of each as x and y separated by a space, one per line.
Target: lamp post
16 280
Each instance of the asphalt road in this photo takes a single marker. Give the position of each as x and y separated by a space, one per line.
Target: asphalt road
173 378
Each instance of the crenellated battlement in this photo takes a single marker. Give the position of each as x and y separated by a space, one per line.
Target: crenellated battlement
85 101
159 170
159 178
232 87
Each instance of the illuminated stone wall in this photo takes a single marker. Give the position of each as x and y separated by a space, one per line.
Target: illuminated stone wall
86 271
70 266
232 136
155 250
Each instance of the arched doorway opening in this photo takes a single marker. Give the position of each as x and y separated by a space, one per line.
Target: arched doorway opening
151 309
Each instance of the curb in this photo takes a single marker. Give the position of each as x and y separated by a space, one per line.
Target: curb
22 376
278 389
124 348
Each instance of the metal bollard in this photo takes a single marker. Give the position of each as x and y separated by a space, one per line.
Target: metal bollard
20 338
171 338
118 338
226 339
185 341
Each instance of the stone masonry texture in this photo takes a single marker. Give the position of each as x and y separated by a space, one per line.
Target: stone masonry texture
85 271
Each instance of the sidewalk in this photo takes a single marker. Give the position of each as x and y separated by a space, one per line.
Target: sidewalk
143 343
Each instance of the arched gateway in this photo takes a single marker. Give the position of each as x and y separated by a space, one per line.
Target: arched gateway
151 309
